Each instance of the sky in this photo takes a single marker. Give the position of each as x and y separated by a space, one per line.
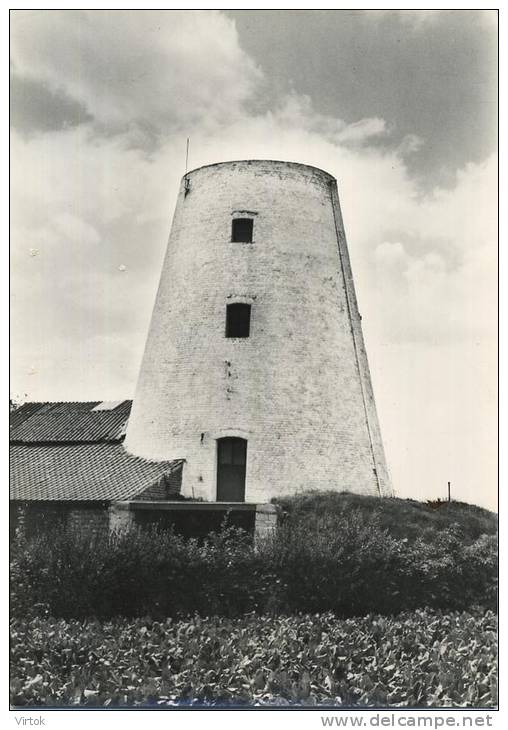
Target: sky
400 106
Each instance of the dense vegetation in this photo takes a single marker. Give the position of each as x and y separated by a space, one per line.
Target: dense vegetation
403 518
420 659
151 618
342 553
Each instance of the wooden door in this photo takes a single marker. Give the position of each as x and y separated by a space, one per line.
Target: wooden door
231 464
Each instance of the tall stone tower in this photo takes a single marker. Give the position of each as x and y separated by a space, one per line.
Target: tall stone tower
255 370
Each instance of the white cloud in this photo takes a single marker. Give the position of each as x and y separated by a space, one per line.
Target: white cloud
390 254
296 111
444 274
410 143
362 130
149 72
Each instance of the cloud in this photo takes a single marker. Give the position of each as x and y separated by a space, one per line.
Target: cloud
410 143
391 255
418 20
297 111
438 283
362 130
149 73
37 108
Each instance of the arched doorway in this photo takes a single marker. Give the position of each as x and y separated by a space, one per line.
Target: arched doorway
231 464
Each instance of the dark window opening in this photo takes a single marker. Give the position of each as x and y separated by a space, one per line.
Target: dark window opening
238 320
241 231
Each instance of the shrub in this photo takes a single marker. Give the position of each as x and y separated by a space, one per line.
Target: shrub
451 575
349 564
135 573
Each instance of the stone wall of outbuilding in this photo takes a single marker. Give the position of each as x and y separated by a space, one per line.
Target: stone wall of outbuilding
89 518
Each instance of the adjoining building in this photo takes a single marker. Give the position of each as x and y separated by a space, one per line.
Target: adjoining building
68 466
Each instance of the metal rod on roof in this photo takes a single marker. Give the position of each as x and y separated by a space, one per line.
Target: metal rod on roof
449 493
185 178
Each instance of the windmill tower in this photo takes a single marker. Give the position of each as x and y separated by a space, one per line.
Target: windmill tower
255 370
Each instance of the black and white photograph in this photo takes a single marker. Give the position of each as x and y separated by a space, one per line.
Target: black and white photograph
253 455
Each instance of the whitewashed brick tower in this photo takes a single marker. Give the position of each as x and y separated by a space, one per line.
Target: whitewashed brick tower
282 402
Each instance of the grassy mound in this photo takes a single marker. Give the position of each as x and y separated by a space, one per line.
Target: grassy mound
341 553
402 518
420 659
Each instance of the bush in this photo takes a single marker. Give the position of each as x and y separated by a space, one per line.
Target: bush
135 573
421 659
349 564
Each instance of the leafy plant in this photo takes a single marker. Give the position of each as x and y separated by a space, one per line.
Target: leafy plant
424 658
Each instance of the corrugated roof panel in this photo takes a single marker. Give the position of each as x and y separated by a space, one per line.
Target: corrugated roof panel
23 412
72 423
85 472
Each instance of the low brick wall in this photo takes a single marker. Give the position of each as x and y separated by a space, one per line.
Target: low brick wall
190 519
33 517
193 519
93 521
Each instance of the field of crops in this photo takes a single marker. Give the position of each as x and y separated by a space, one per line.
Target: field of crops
423 658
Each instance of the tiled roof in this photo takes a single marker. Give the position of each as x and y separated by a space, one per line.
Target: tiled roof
98 472
68 423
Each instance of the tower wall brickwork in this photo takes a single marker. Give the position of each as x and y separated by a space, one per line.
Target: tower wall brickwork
298 388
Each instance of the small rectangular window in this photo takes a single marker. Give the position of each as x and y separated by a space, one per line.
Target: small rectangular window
238 320
241 231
